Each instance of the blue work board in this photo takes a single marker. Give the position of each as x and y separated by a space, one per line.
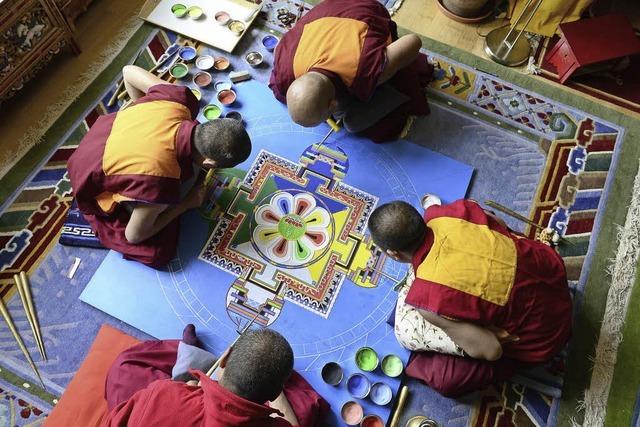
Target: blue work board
328 293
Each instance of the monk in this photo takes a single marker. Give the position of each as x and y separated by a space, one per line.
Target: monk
127 172
344 58
161 383
481 301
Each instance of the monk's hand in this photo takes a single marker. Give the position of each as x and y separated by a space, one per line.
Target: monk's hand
196 196
193 383
502 335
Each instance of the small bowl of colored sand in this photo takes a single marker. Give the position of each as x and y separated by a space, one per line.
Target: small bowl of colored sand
236 27
367 359
222 85
196 93
187 53
352 413
392 365
204 62
202 79
421 421
372 421
331 372
270 42
381 394
195 12
221 63
178 71
222 18
358 386
227 97
179 10
211 112
254 59
235 115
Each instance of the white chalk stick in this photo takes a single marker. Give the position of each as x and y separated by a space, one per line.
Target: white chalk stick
74 268
239 76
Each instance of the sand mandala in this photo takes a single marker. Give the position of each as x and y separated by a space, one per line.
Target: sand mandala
291 232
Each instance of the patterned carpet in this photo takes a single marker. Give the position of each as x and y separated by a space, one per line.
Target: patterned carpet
554 160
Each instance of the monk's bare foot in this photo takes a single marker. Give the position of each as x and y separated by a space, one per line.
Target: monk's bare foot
189 336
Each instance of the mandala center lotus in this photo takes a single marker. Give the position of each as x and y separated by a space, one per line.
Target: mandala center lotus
292 227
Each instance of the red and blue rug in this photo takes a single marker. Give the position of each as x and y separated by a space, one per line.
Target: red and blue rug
541 158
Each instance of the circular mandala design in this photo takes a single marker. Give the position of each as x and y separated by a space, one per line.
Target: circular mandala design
292 228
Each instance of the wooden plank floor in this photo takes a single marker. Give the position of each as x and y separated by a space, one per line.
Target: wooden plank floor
96 30
424 17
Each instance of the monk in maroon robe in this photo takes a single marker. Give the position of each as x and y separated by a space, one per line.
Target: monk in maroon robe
127 171
339 53
256 387
501 298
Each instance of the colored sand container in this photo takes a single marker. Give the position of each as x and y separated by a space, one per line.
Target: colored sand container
372 421
236 27
221 63
331 372
222 18
270 42
358 386
380 394
179 71
421 421
254 58
211 112
367 359
202 79
196 93
227 97
237 116
352 413
179 10
187 53
222 85
392 365
195 12
204 62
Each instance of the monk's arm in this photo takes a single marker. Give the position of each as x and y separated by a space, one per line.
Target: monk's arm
137 81
148 219
282 404
400 53
476 341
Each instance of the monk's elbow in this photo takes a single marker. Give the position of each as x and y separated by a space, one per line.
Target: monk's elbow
494 353
416 42
133 236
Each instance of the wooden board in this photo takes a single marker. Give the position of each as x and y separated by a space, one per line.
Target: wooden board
205 29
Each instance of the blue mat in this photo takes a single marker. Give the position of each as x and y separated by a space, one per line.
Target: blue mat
328 299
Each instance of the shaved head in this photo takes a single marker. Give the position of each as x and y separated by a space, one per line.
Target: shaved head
310 99
397 226
258 366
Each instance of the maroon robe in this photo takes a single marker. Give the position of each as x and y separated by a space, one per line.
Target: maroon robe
528 298
139 390
349 24
140 154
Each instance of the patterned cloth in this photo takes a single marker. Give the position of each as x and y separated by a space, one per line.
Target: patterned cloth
76 231
414 332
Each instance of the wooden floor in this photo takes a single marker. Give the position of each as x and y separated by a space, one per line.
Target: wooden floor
424 17
96 30
102 23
